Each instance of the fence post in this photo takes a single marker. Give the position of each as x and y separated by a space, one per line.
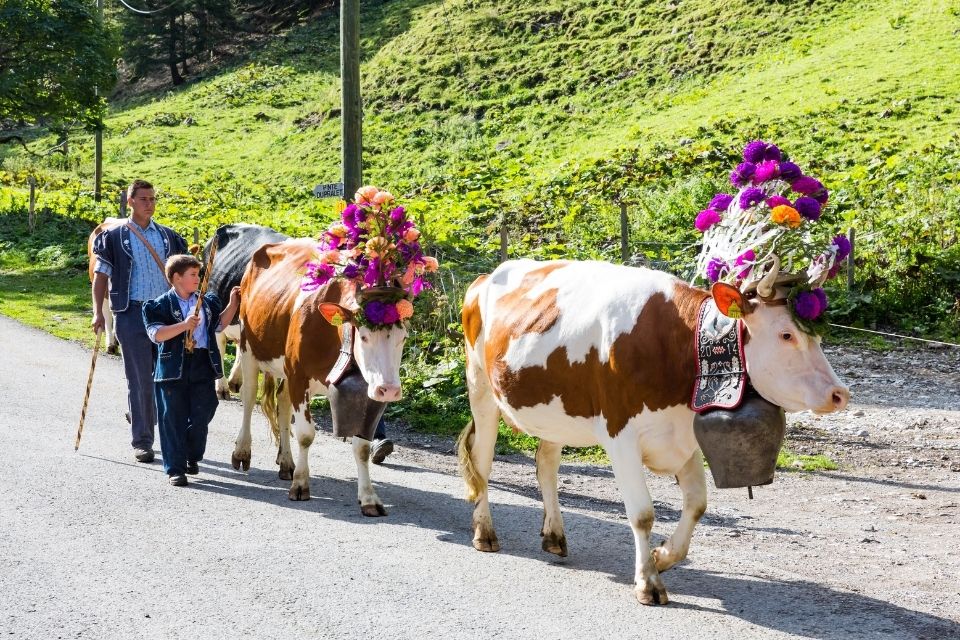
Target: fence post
852 236
624 233
503 240
33 201
123 203
196 236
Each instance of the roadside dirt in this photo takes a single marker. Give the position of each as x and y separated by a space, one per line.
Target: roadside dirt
877 533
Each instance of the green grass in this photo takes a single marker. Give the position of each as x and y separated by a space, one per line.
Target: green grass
57 303
789 461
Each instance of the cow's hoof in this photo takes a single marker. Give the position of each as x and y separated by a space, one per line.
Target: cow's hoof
223 394
556 544
241 462
113 350
233 387
373 510
286 473
651 593
299 493
488 544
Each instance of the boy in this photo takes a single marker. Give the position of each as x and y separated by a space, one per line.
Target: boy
186 397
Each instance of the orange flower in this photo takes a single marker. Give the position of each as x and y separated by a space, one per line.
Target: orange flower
785 214
411 234
404 309
377 246
383 197
365 195
339 230
330 257
431 263
409 274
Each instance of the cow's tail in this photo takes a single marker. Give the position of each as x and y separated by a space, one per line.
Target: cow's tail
476 483
268 404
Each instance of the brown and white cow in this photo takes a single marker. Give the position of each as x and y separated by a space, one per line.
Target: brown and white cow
585 353
288 333
113 345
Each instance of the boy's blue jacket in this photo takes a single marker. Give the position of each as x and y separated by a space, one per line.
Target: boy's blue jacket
166 310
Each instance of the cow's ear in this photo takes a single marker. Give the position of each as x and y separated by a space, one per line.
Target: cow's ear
334 313
730 300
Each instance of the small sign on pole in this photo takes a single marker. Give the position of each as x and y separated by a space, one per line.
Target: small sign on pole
329 190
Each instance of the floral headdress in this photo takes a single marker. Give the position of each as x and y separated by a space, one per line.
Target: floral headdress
747 236
376 245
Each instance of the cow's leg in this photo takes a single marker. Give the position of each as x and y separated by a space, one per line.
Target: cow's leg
248 394
694 486
284 454
236 375
628 470
548 463
370 504
304 432
222 390
477 446
113 345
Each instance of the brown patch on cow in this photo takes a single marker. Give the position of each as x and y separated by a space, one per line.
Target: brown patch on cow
649 368
470 315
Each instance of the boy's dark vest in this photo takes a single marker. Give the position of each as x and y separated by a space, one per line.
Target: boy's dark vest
166 310
113 247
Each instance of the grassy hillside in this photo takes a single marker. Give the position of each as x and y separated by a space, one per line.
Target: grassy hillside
540 115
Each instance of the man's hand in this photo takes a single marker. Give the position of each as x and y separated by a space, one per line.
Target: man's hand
98 322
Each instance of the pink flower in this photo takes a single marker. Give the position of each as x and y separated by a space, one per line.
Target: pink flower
382 197
409 274
431 263
330 257
411 234
766 170
746 258
776 201
706 219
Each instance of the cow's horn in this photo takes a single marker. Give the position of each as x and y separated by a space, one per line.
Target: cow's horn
767 285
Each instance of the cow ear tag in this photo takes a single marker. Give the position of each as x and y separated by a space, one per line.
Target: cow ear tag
729 300
332 313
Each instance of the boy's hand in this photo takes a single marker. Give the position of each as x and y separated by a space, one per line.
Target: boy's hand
235 293
191 322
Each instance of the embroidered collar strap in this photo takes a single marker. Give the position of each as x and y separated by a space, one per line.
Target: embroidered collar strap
721 367
345 358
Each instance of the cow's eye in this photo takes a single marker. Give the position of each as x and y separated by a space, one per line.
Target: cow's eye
364 339
786 336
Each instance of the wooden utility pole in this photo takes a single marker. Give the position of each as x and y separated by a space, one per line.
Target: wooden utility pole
624 233
98 134
351 110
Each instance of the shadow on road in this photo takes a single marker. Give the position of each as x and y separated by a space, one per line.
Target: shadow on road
600 545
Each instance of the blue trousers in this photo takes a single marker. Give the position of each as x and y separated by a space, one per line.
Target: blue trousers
186 407
381 430
139 354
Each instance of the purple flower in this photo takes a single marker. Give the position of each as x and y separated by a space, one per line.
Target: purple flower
418 285
807 305
375 311
834 270
316 276
808 208
842 243
772 152
745 258
390 314
397 215
349 212
806 185
776 201
821 196
755 151
822 297
790 172
751 197
740 176
706 219
766 170
716 269
372 273
350 271
720 202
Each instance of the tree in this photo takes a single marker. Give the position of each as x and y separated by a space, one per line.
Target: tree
169 39
52 55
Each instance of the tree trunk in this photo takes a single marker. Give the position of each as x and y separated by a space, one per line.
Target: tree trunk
175 76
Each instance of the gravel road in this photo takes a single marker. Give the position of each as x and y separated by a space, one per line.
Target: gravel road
95 545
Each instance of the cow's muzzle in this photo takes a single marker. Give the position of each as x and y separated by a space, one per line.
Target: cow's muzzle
385 392
839 397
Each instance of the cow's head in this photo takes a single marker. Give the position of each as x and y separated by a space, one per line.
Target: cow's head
377 351
786 365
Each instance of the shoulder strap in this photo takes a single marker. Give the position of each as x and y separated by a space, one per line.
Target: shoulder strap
153 252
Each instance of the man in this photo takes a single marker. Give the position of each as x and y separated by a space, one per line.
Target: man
135 274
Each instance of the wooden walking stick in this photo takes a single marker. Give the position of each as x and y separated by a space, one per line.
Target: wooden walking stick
86 394
188 342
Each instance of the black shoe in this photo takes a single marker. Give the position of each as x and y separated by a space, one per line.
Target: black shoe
178 481
143 455
193 468
381 449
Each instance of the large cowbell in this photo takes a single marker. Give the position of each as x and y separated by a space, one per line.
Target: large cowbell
741 444
354 412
